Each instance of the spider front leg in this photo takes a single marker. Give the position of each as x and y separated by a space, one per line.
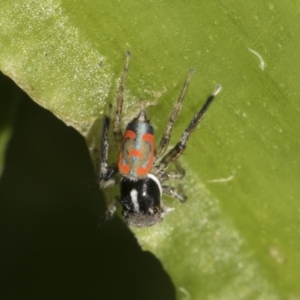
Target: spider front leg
107 176
107 173
120 99
164 142
176 152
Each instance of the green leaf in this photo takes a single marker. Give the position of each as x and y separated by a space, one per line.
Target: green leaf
237 237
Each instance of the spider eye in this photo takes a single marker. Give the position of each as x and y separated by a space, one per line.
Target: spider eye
141 201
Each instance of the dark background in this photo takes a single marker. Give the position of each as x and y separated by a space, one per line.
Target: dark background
54 242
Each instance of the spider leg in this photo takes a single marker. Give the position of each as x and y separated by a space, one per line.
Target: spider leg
107 172
174 193
111 209
178 173
164 142
175 153
171 191
120 98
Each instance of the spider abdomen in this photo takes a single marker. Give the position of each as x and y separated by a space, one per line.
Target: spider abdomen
137 149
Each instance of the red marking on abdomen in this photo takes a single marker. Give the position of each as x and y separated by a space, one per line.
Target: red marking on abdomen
140 171
129 134
148 137
125 169
144 171
135 152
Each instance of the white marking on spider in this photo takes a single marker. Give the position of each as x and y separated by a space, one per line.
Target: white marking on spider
262 63
154 178
134 199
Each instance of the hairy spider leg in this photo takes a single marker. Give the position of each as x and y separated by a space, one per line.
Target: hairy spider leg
164 142
106 176
176 174
175 153
120 99
107 173
174 193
